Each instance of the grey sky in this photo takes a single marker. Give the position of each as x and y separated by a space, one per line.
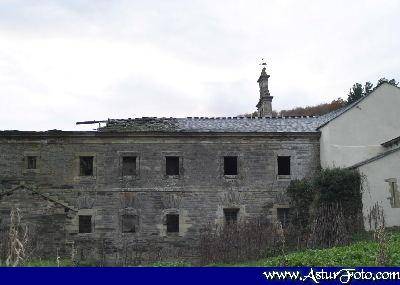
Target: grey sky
65 61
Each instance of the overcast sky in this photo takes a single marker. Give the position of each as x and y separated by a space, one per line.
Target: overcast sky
67 61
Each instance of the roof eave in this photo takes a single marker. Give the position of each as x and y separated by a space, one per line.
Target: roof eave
97 134
372 159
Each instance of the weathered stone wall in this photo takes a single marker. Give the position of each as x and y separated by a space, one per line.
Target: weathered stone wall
44 221
198 195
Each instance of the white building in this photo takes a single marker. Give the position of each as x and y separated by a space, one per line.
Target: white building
366 135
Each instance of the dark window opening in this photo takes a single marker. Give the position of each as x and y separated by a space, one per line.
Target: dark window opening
31 162
283 216
283 165
86 165
172 223
85 224
172 165
130 223
231 215
128 165
230 165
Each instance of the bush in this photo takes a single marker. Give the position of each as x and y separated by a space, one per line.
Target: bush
241 241
339 186
301 194
327 210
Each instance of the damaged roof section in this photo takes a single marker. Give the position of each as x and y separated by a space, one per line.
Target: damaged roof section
145 124
214 124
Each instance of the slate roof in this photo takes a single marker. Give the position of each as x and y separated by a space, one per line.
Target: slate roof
216 124
228 124
325 119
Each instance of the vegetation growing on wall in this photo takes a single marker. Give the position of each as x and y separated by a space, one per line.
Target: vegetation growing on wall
339 186
301 193
328 208
244 240
326 211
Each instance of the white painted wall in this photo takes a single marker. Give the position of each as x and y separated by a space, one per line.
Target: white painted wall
357 134
376 189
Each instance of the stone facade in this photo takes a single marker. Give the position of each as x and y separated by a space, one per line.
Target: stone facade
54 194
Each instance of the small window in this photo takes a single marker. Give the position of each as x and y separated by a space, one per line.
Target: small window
130 223
85 224
86 166
31 162
128 165
394 194
172 165
172 223
283 216
230 165
283 165
231 215
393 191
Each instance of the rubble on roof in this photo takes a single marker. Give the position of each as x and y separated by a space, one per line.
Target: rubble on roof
141 125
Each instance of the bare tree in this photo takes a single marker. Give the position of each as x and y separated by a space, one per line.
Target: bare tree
18 239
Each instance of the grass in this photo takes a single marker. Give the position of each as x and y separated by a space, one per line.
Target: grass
169 264
53 263
361 253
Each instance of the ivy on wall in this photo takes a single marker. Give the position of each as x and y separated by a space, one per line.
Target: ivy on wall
327 209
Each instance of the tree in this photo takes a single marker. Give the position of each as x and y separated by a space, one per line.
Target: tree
391 81
358 91
355 93
316 110
368 87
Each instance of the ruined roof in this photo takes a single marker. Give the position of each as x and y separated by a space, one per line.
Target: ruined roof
215 124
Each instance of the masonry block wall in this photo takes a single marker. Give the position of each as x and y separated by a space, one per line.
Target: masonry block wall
130 214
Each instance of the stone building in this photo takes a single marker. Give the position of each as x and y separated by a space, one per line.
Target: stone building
151 184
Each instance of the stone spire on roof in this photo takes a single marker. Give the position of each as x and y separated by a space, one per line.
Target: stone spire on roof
264 105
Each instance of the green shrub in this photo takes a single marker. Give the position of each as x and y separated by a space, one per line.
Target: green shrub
339 186
302 195
326 210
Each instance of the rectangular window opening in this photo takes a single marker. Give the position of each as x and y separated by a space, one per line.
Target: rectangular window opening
231 215
393 191
172 165
394 197
172 223
130 223
283 216
86 166
128 165
31 162
230 165
85 224
283 165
